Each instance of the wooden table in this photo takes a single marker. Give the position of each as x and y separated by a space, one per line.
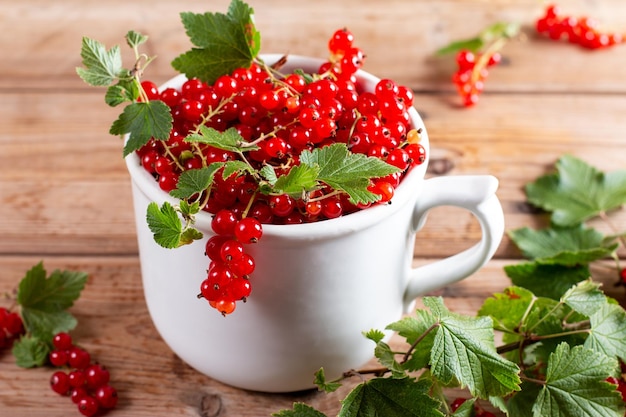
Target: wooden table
65 193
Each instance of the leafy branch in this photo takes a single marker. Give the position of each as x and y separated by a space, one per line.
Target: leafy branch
562 337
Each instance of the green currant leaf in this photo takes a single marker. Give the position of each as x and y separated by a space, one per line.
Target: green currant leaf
521 403
50 294
546 280
323 384
464 350
126 90
222 42
374 335
414 329
346 171
193 181
564 246
387 358
299 179
577 191
102 67
608 331
165 224
189 210
508 308
189 235
269 173
30 352
228 140
485 37
45 324
390 397
585 297
134 39
576 385
300 410
143 121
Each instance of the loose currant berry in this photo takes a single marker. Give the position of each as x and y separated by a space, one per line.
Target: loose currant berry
106 396
622 274
248 230
96 376
58 357
79 358
60 383
13 324
88 406
62 341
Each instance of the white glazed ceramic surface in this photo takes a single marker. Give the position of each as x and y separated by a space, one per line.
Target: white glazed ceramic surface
316 287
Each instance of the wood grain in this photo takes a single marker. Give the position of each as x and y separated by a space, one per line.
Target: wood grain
65 192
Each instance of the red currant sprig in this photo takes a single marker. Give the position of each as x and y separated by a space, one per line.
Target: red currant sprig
582 30
84 381
471 74
228 276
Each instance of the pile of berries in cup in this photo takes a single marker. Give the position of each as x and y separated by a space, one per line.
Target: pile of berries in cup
582 30
84 381
283 114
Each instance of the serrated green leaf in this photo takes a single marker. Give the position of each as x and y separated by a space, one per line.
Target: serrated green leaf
44 324
126 90
390 397
50 294
223 42
194 181
134 39
521 403
165 224
387 358
577 192
346 171
300 178
464 350
143 121
188 210
564 246
300 410
374 335
190 235
269 173
585 297
575 385
30 352
236 168
228 140
608 331
323 384
414 329
102 67
508 308
546 280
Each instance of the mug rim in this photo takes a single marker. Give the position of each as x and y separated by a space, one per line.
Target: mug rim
405 192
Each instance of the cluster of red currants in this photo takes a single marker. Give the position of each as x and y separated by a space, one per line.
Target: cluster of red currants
282 114
86 382
582 31
472 70
11 327
231 266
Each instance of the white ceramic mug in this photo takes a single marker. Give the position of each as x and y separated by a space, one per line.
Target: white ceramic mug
316 286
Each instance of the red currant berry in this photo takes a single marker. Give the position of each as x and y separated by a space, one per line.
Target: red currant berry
248 230
58 357
78 394
223 222
88 406
62 341
151 90
60 383
77 378
96 376
106 396
79 358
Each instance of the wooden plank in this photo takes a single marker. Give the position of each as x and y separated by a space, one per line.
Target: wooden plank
400 37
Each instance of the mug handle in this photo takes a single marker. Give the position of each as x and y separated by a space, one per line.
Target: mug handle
476 193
